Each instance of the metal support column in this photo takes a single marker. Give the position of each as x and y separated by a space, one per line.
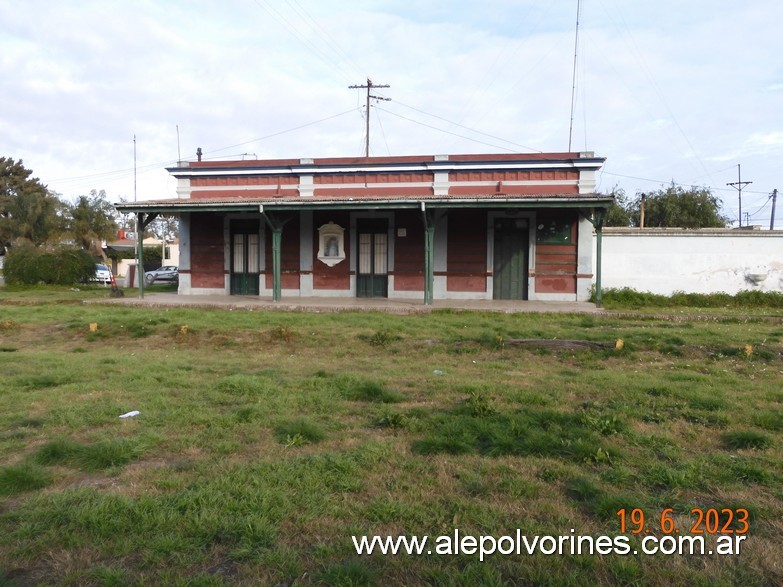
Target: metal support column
276 223
141 226
140 241
429 254
277 240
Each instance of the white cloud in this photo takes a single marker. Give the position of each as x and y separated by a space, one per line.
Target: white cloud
667 90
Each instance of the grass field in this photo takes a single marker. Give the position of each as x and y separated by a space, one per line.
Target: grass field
265 440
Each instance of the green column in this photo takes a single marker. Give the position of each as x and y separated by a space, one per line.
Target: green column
429 263
277 240
140 241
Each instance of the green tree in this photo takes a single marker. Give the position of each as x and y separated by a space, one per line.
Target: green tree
618 214
677 207
90 220
28 211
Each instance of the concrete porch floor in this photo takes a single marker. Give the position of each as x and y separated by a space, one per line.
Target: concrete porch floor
318 304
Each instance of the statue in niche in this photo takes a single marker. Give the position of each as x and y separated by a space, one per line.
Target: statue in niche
332 249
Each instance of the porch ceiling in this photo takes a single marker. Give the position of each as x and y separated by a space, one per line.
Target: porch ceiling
368 203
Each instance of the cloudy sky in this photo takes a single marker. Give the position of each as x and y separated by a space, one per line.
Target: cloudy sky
670 90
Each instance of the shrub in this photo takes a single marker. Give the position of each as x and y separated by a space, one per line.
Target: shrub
28 265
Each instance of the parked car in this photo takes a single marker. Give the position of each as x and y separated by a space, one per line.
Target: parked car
102 274
167 273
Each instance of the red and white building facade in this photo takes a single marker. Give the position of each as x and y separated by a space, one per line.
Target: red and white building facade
503 226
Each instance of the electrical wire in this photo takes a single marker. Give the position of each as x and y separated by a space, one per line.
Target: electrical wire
466 128
445 131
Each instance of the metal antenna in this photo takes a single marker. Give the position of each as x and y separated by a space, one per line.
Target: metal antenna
369 86
573 79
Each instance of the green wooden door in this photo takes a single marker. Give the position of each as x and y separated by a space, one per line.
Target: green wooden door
510 264
372 279
244 258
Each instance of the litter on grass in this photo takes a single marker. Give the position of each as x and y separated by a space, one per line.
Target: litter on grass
131 414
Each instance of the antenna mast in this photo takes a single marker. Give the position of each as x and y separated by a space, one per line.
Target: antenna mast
369 86
573 79
134 168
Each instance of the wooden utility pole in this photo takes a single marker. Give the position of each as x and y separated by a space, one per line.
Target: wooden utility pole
772 217
738 185
369 86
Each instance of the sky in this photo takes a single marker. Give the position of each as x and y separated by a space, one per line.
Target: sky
667 91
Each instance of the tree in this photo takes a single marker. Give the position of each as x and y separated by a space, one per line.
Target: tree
91 221
675 206
618 213
28 211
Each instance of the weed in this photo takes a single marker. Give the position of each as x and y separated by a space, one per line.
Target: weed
372 391
389 419
282 334
769 420
299 431
57 452
21 478
479 404
89 457
746 439
8 326
352 573
380 338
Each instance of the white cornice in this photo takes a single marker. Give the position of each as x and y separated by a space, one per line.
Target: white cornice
426 167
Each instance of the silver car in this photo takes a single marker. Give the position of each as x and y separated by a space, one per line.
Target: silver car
167 273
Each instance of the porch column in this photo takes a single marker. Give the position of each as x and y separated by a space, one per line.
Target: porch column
428 217
277 239
429 263
141 224
140 244
275 223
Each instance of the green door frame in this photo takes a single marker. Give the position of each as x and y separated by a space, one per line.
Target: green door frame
524 250
370 226
247 228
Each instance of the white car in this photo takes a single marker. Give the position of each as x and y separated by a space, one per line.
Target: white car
102 274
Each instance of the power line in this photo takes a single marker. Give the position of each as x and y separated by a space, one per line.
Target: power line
465 127
444 131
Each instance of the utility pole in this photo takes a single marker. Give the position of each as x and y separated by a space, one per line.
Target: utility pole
772 217
738 185
369 86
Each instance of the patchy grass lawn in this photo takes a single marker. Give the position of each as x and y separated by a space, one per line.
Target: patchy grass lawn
266 439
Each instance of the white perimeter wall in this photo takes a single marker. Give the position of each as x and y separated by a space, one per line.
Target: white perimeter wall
663 261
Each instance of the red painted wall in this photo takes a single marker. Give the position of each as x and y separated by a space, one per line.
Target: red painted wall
207 253
467 251
409 252
556 263
339 276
